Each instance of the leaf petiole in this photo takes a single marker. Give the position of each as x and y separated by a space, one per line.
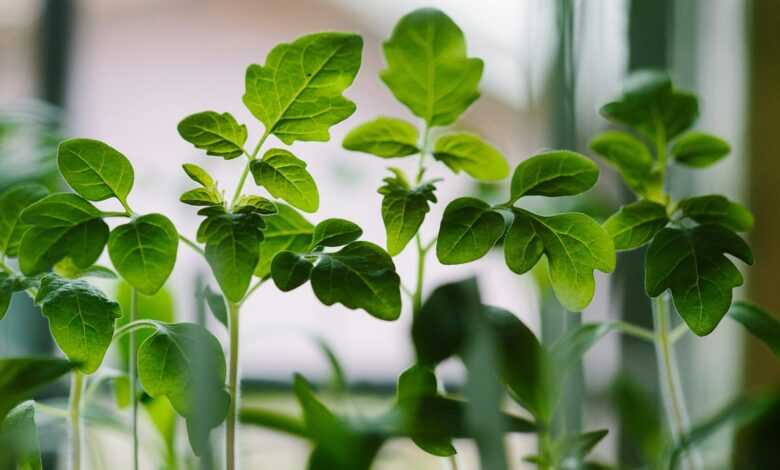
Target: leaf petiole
107 214
635 331
678 333
245 172
134 326
192 245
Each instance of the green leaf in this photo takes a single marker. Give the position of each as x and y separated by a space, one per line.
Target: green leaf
760 323
384 137
67 269
404 209
216 304
219 135
469 229
63 224
284 176
415 383
556 173
202 197
81 319
285 231
427 67
629 156
636 224
571 346
198 175
575 245
692 264
158 307
232 250
468 152
290 270
12 202
8 285
297 93
360 275
95 170
699 150
335 232
716 209
21 448
249 203
579 445
21 376
144 251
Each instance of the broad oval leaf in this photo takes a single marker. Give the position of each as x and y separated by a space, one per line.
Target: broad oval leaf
81 319
575 246
284 176
716 209
471 154
21 448
297 93
219 135
556 173
95 170
384 137
21 376
290 270
144 251
427 67
628 155
404 209
469 229
62 225
699 150
12 202
286 230
692 264
760 323
198 175
335 232
360 275
636 224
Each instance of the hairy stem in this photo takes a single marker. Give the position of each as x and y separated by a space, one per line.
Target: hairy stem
233 388
133 377
74 411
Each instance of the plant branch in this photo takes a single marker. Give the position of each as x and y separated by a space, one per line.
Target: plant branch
107 214
678 333
245 172
74 413
192 245
233 387
52 410
252 289
635 331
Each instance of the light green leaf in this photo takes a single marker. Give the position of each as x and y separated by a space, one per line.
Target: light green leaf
384 137
21 448
219 135
95 170
67 268
335 232
297 93
81 319
428 70
249 203
468 152
636 224
62 224
21 376
12 202
692 264
575 245
290 270
469 229
198 175
716 209
760 323
699 150
202 197
629 156
144 251
360 275
285 231
284 176
556 173
404 209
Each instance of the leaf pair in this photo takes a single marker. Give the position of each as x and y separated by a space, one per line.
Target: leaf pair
574 243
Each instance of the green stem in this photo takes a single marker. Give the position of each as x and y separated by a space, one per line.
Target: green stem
453 462
132 326
418 290
106 214
52 410
74 409
245 173
253 289
192 245
270 419
678 333
233 388
133 377
635 331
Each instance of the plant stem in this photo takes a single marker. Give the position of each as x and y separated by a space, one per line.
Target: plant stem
233 388
133 377
635 331
245 173
192 245
417 295
132 326
74 409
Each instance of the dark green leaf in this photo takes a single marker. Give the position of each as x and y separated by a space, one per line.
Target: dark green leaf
384 137
471 154
716 209
290 270
144 251
202 197
20 447
297 93
8 285
403 209
692 264
12 202
760 323
414 384
575 245
218 134
578 446
198 175
284 176
556 173
699 150
469 229
571 347
95 170
629 156
216 304
285 231
428 70
21 376
636 224
335 232
360 275
81 319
